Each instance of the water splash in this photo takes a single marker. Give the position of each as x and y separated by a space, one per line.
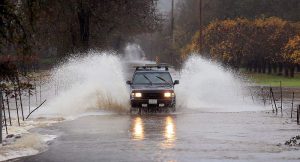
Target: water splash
207 86
133 56
134 52
95 81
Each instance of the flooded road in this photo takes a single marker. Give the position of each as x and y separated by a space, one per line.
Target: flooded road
192 136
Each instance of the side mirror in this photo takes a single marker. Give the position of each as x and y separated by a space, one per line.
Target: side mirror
176 82
128 82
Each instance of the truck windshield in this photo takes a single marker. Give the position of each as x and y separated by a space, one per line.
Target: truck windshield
152 78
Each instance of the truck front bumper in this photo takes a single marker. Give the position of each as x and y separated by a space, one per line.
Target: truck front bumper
153 102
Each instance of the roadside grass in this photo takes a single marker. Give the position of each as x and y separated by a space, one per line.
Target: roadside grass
274 80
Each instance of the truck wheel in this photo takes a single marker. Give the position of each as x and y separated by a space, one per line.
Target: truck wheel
133 110
173 108
130 110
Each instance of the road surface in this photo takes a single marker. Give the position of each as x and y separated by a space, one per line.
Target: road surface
183 136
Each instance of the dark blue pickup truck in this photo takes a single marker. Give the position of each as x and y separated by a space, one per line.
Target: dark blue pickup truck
152 88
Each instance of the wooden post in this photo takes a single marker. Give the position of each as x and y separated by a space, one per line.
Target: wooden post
20 94
8 107
28 99
0 119
35 89
40 88
16 101
172 33
292 104
3 108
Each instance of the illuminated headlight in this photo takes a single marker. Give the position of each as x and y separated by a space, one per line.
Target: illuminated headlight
138 95
168 94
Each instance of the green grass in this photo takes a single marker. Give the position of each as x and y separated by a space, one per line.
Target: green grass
274 80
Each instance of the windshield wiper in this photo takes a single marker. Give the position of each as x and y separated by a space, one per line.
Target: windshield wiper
164 80
147 79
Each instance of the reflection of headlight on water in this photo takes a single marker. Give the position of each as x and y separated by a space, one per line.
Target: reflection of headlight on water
169 129
138 129
169 133
166 128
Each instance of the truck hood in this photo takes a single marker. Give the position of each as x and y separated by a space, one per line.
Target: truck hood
151 87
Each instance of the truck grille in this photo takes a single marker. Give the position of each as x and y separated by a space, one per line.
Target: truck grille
152 95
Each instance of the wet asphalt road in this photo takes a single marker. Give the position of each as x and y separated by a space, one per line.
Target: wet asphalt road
193 136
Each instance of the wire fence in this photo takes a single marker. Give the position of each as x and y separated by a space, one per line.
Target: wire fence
283 101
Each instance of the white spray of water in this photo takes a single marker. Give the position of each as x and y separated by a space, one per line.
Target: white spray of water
95 81
133 56
134 52
207 86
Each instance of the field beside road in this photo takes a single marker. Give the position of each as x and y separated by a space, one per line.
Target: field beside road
274 80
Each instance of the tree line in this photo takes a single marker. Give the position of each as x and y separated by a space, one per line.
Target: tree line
52 29
264 45
186 21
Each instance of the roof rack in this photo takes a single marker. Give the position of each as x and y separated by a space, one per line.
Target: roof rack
149 67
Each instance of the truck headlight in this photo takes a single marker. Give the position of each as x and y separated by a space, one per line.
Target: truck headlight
138 95
168 94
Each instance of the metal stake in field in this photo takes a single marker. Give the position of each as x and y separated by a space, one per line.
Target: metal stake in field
272 94
271 100
298 111
263 96
292 104
281 97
